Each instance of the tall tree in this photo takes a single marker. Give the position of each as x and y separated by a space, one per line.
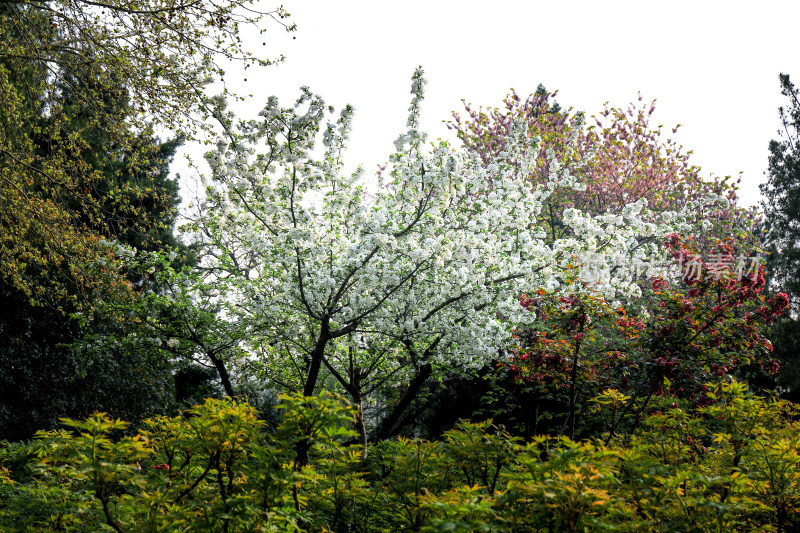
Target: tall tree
782 197
82 84
339 285
49 373
781 207
159 55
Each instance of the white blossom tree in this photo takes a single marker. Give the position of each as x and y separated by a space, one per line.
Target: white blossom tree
396 279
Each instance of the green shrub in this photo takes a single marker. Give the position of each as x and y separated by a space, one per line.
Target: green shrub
732 465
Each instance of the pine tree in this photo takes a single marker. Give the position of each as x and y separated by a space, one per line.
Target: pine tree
781 207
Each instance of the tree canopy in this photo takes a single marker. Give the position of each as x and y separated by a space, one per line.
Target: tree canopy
125 66
332 278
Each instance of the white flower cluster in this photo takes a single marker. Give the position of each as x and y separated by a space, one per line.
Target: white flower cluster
436 259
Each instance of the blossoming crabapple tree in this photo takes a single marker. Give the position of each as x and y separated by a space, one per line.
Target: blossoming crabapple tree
361 283
631 159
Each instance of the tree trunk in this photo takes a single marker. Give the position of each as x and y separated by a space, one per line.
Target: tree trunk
361 427
388 427
219 364
316 357
302 447
573 396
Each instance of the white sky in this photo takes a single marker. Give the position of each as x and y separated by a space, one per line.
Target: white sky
712 66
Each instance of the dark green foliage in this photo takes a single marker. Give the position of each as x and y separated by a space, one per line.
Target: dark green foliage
782 197
36 377
193 384
492 392
785 336
49 374
782 223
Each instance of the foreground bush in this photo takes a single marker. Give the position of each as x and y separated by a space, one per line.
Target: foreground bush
730 466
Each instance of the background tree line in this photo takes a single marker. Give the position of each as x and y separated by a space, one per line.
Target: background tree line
83 88
522 276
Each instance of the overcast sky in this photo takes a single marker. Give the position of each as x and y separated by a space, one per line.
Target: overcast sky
712 67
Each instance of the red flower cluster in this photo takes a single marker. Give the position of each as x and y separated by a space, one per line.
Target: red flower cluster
659 284
700 330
